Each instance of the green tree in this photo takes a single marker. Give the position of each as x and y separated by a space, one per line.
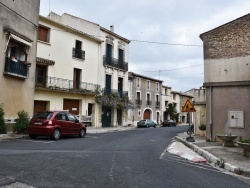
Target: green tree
22 122
2 123
171 110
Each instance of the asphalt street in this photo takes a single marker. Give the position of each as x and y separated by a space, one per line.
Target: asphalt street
134 158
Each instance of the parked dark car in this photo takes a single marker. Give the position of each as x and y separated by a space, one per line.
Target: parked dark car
168 123
55 124
146 123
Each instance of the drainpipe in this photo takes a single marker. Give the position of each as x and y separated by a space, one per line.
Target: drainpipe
210 116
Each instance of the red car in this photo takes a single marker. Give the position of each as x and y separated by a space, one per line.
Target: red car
55 124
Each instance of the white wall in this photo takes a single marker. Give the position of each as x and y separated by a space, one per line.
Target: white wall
225 70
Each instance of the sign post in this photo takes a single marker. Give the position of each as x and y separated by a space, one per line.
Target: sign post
188 107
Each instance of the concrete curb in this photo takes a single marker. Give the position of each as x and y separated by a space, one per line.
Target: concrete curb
213 159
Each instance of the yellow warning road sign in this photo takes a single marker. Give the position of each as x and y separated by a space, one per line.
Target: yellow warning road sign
188 107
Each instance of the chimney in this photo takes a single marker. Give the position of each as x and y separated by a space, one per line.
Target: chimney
112 28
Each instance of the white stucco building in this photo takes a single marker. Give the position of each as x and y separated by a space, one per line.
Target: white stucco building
67 70
113 66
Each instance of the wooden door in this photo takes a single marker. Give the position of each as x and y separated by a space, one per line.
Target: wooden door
40 106
71 105
146 114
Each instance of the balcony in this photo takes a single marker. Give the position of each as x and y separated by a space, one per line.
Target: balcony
16 68
106 91
108 61
65 85
79 54
138 102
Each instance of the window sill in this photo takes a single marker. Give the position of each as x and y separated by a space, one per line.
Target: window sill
44 42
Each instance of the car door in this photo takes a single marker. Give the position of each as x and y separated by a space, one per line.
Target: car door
62 122
73 124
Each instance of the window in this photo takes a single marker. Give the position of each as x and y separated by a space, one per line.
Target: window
174 96
148 84
71 118
121 58
43 33
120 87
61 116
41 72
16 55
236 119
77 51
148 99
138 82
139 112
138 98
157 86
109 53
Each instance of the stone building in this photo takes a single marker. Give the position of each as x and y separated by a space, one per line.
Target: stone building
227 78
18 36
145 92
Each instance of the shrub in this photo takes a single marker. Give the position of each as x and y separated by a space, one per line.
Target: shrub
22 122
246 141
2 123
202 127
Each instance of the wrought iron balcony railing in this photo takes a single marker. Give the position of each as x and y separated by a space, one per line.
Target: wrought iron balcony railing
80 54
16 68
138 102
115 63
106 91
53 83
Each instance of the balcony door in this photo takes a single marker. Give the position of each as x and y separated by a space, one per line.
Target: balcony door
41 73
109 54
121 58
108 84
120 86
77 78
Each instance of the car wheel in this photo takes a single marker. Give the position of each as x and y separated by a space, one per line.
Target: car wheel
56 134
82 133
32 136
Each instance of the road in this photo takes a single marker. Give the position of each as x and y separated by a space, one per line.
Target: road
134 158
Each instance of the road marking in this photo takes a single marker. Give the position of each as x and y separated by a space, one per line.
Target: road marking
45 142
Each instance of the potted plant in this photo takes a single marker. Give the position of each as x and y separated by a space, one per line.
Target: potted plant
245 145
202 129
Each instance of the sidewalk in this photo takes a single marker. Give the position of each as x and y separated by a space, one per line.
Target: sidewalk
90 130
228 158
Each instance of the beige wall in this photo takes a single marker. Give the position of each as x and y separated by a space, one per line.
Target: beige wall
17 93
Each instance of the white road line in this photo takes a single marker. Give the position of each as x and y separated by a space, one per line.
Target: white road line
45 142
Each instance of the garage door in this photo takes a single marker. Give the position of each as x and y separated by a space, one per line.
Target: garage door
40 106
71 105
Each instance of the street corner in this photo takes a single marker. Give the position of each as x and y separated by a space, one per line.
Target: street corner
181 150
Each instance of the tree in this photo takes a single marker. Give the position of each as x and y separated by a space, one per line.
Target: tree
171 110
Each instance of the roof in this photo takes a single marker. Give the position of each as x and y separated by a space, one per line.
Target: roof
166 87
146 77
224 25
70 29
114 34
182 94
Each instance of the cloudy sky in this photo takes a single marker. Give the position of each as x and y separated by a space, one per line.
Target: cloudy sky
164 34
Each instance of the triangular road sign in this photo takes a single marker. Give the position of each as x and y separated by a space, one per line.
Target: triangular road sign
188 107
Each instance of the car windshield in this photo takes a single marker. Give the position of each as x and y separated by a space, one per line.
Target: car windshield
142 120
43 115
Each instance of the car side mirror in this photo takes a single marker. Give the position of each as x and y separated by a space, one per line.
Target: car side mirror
77 121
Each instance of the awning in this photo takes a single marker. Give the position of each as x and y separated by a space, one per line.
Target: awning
20 40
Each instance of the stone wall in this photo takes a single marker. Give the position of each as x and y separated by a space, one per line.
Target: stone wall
229 40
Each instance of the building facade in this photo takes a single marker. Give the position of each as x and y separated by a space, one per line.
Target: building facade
199 103
166 99
227 78
145 92
67 71
18 36
113 67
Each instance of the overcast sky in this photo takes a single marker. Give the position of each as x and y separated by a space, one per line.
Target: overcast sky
162 24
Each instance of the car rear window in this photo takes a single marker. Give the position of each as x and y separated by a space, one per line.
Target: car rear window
43 115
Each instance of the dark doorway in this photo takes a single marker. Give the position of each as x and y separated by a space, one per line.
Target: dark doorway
77 78
119 117
106 117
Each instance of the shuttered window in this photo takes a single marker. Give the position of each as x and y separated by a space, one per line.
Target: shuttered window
43 34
